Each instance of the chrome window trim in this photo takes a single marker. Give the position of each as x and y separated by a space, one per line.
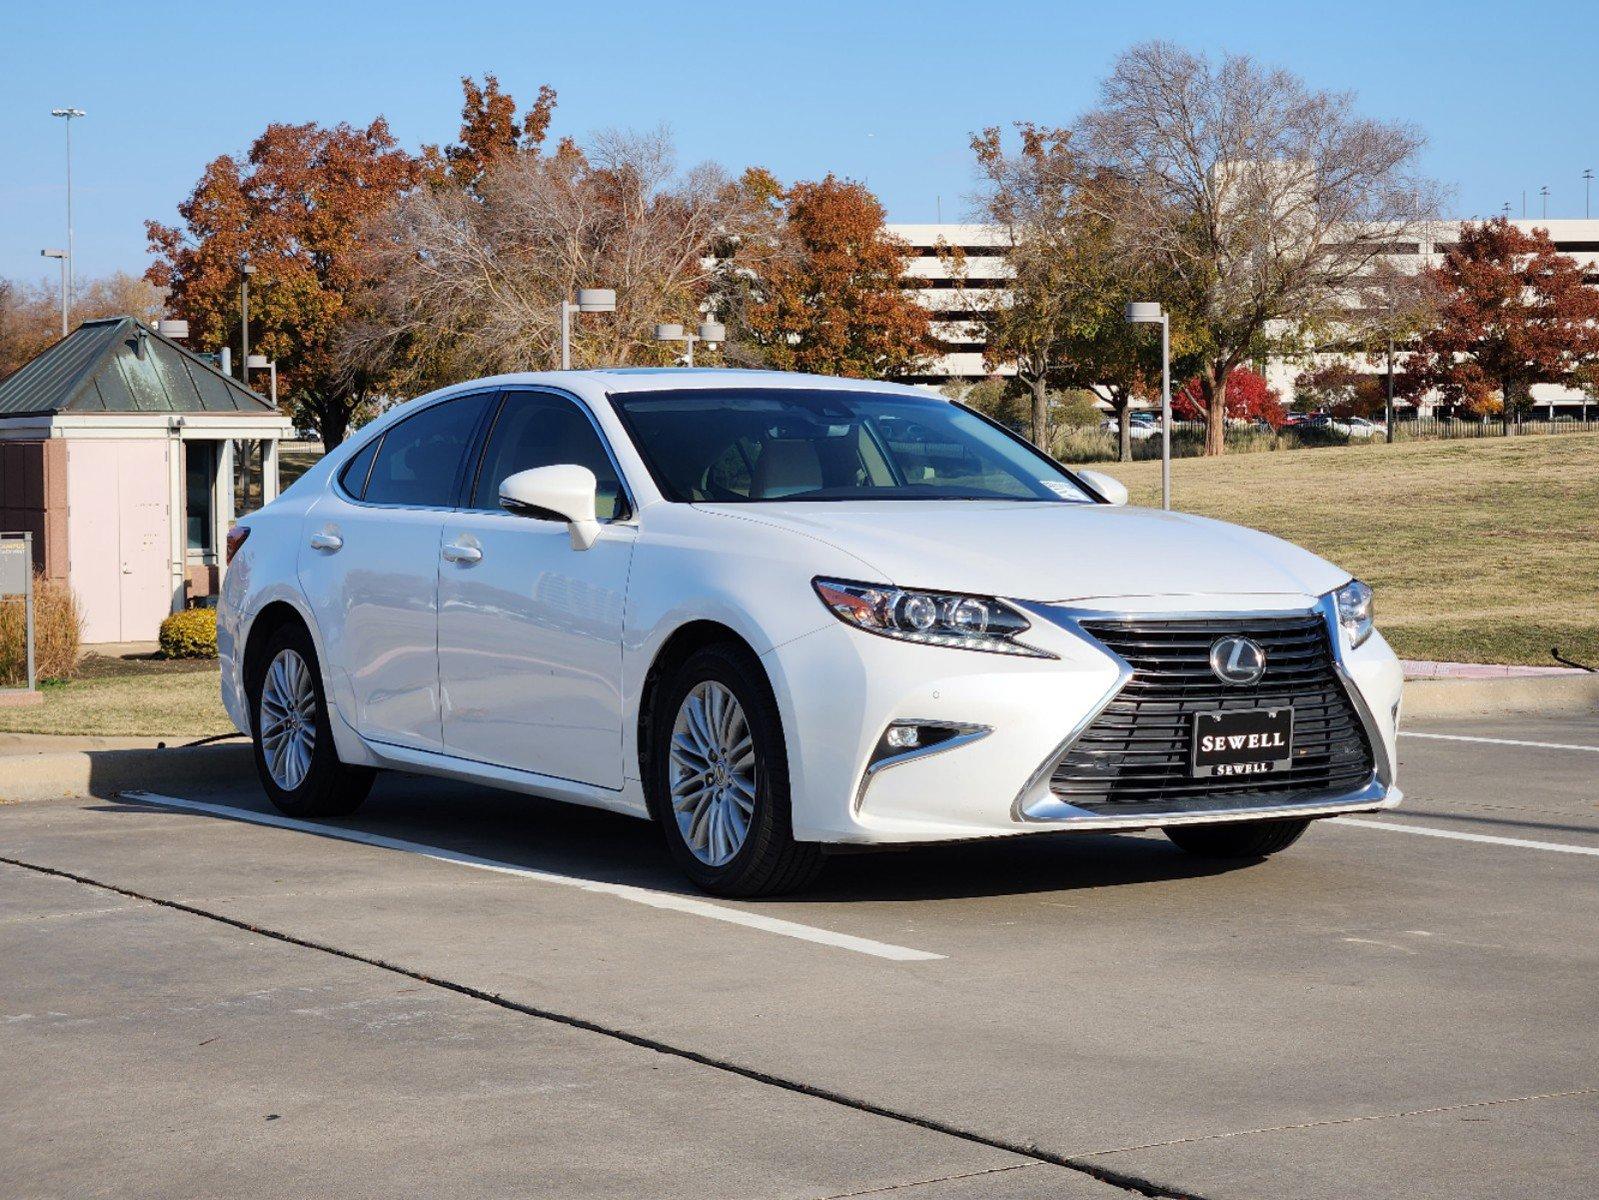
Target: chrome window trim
965 735
1377 792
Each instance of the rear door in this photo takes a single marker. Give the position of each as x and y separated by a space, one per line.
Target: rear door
530 630
369 565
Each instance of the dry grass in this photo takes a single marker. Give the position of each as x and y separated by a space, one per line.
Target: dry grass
126 698
57 634
1482 550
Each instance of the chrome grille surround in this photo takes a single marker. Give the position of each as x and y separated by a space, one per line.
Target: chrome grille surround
1358 775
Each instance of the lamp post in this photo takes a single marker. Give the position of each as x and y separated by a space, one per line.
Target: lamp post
710 332
260 362
588 300
1544 192
68 114
1145 312
1587 192
63 256
246 270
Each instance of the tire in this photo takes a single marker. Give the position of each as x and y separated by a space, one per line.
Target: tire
305 779
1237 839
738 787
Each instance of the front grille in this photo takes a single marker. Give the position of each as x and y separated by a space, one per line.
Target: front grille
1134 757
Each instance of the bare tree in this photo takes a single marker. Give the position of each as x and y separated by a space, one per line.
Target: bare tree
1259 198
471 281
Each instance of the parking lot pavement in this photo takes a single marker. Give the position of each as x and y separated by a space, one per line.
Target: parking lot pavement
1376 1012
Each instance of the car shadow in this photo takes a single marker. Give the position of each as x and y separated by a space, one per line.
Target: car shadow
547 835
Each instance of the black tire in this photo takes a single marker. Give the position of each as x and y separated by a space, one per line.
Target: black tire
329 787
770 860
1237 839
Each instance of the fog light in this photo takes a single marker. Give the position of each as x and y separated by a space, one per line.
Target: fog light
903 737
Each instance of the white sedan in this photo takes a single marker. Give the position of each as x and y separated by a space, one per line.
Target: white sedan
778 614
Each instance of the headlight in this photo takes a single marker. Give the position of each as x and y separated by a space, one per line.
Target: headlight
933 618
1354 611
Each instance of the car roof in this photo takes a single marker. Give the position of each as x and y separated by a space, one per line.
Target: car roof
652 379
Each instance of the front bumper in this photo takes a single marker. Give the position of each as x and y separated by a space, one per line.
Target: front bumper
839 689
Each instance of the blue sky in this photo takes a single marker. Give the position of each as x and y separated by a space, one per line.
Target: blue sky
885 92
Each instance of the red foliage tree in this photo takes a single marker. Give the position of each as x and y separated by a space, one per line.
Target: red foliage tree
1249 397
1512 313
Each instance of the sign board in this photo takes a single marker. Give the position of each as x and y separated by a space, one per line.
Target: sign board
16 579
15 566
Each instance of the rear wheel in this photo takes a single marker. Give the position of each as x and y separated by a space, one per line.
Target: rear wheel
1237 839
294 752
718 778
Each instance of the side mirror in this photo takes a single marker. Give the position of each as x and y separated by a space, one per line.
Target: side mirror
1107 486
561 493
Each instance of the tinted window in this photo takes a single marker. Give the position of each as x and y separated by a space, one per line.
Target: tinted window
751 445
357 469
421 456
536 429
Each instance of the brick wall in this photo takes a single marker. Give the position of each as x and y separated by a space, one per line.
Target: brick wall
33 498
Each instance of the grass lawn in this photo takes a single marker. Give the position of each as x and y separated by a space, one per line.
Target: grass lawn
1480 550
114 697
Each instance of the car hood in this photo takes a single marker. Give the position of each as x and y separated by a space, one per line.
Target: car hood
1050 552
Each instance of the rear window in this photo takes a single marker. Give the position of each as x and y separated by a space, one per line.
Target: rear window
419 460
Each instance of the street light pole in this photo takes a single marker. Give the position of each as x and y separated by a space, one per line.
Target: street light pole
1587 192
67 114
245 271
62 256
1145 312
588 300
710 332
1544 192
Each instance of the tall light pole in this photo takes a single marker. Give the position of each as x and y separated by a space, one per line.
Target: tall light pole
1544 192
588 300
1587 192
1145 312
710 332
67 114
246 270
63 256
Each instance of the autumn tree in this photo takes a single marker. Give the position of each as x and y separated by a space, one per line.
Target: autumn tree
1512 312
469 282
826 288
491 131
1256 196
1249 398
30 314
296 208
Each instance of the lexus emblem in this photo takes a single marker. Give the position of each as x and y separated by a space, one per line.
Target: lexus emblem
1237 660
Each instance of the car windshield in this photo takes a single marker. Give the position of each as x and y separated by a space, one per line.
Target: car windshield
749 445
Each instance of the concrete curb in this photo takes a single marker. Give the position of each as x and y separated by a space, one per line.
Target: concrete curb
1563 694
105 772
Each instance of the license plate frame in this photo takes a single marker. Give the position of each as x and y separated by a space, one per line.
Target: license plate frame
1269 753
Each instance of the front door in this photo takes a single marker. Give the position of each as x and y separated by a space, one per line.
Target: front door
530 630
369 563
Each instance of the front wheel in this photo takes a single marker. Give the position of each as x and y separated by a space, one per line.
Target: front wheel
718 778
1237 839
294 752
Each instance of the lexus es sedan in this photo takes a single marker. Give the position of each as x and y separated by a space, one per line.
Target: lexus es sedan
779 614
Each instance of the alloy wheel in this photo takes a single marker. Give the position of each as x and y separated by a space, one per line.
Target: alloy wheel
712 773
288 720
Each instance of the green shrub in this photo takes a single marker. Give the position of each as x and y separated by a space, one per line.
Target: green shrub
191 633
57 634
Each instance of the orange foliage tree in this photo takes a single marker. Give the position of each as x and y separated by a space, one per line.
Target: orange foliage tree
826 286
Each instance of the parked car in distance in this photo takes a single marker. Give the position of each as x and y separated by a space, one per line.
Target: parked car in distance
780 614
1141 426
1351 427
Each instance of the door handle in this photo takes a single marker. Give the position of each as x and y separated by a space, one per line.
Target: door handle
456 552
326 541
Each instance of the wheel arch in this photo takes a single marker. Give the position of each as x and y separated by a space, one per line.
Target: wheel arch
676 650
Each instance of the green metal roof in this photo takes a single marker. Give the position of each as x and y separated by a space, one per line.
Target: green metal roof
100 367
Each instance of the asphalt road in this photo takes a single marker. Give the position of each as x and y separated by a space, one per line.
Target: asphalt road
487 995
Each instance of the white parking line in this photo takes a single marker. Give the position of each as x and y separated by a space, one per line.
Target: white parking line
622 891
1460 737
1490 839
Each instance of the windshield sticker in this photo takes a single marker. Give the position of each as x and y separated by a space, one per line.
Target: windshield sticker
1064 490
